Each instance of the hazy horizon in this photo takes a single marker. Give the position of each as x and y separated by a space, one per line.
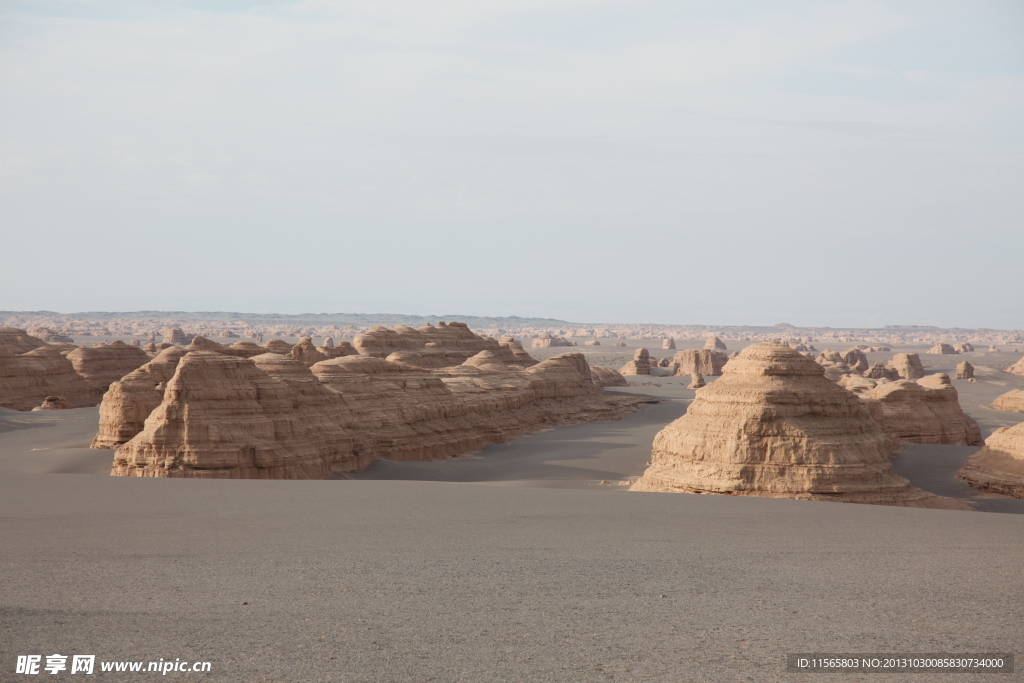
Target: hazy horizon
843 164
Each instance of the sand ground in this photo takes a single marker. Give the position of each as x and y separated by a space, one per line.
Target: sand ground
513 564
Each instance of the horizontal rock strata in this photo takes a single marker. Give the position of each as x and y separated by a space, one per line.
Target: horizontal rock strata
999 466
925 411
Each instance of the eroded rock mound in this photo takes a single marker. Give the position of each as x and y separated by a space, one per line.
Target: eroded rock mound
908 365
668 344
1017 368
925 411
999 466
52 403
175 336
941 348
774 426
1011 400
607 377
17 341
714 343
26 379
964 370
546 340
446 345
49 336
640 365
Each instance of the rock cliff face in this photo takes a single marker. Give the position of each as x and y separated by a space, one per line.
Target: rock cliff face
857 360
926 411
446 345
272 417
27 379
103 364
999 466
700 361
908 365
1011 400
1017 368
640 365
130 400
774 426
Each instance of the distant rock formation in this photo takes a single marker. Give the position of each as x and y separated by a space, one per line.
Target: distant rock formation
908 365
941 348
999 466
964 370
271 417
546 340
714 343
925 411
1011 400
607 377
834 365
620 344
668 343
664 363
306 353
963 347
1017 368
48 335
592 342
446 345
700 361
52 403
882 371
175 336
640 365
856 359
774 426
697 381
150 347
104 363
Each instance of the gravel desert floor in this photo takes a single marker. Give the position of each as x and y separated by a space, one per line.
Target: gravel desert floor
527 561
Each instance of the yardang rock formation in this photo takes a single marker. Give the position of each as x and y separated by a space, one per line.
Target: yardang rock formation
774 426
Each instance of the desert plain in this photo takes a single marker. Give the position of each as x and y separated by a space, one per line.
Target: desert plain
524 560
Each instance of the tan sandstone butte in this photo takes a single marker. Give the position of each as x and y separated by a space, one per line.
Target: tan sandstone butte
545 340
1017 368
102 364
774 426
607 377
999 466
697 381
668 343
941 348
175 336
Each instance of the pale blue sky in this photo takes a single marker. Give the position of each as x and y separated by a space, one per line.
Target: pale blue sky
835 163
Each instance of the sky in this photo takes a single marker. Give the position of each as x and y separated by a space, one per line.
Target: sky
842 163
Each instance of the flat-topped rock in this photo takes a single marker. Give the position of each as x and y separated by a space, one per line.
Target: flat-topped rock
925 411
1011 400
999 466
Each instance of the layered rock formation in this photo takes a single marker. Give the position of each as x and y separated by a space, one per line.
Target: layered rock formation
999 466
963 347
278 346
26 379
640 365
700 361
52 403
774 426
1011 400
668 343
857 360
306 353
105 363
925 411
272 417
697 381
607 377
908 365
49 336
881 371
1017 368
964 370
